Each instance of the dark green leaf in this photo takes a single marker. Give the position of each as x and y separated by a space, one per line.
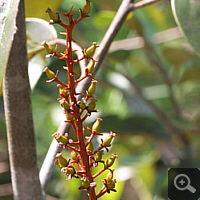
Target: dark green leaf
135 125
187 15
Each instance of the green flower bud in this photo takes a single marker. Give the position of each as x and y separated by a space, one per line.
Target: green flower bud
48 48
98 156
87 8
82 103
62 92
62 162
69 117
90 147
111 184
91 89
108 140
53 16
96 125
92 104
90 66
85 183
73 155
70 170
50 74
110 175
89 52
64 104
56 163
60 138
111 160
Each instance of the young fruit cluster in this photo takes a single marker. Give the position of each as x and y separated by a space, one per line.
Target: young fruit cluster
83 156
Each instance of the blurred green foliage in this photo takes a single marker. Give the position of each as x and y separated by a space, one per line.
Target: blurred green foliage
145 144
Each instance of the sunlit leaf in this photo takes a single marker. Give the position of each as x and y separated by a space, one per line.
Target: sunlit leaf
187 15
37 8
39 30
34 28
8 12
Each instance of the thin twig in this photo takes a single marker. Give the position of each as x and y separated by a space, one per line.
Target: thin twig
143 3
164 118
138 42
158 64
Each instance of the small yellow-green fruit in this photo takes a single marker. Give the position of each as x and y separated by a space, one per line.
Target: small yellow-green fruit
96 125
56 163
98 156
69 117
92 104
90 147
60 138
110 175
90 66
61 160
111 184
54 16
48 48
73 155
89 52
108 140
91 89
62 92
50 74
87 8
70 170
85 183
82 103
64 104
111 160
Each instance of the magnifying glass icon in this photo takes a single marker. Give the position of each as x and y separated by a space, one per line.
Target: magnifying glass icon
182 182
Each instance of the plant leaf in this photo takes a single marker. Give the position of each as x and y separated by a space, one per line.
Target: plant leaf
140 125
187 16
36 53
8 12
34 28
37 8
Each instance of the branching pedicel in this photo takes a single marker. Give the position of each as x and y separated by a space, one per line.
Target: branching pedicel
83 155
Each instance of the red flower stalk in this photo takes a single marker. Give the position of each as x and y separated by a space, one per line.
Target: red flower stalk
83 156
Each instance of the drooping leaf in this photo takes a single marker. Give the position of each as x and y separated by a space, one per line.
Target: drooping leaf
191 73
135 125
34 28
8 12
176 54
187 15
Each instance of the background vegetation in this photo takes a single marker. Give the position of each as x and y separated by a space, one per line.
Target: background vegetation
148 93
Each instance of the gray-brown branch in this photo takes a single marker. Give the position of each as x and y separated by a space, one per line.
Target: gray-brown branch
19 121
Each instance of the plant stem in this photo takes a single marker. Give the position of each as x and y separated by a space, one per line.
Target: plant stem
143 3
77 119
157 62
